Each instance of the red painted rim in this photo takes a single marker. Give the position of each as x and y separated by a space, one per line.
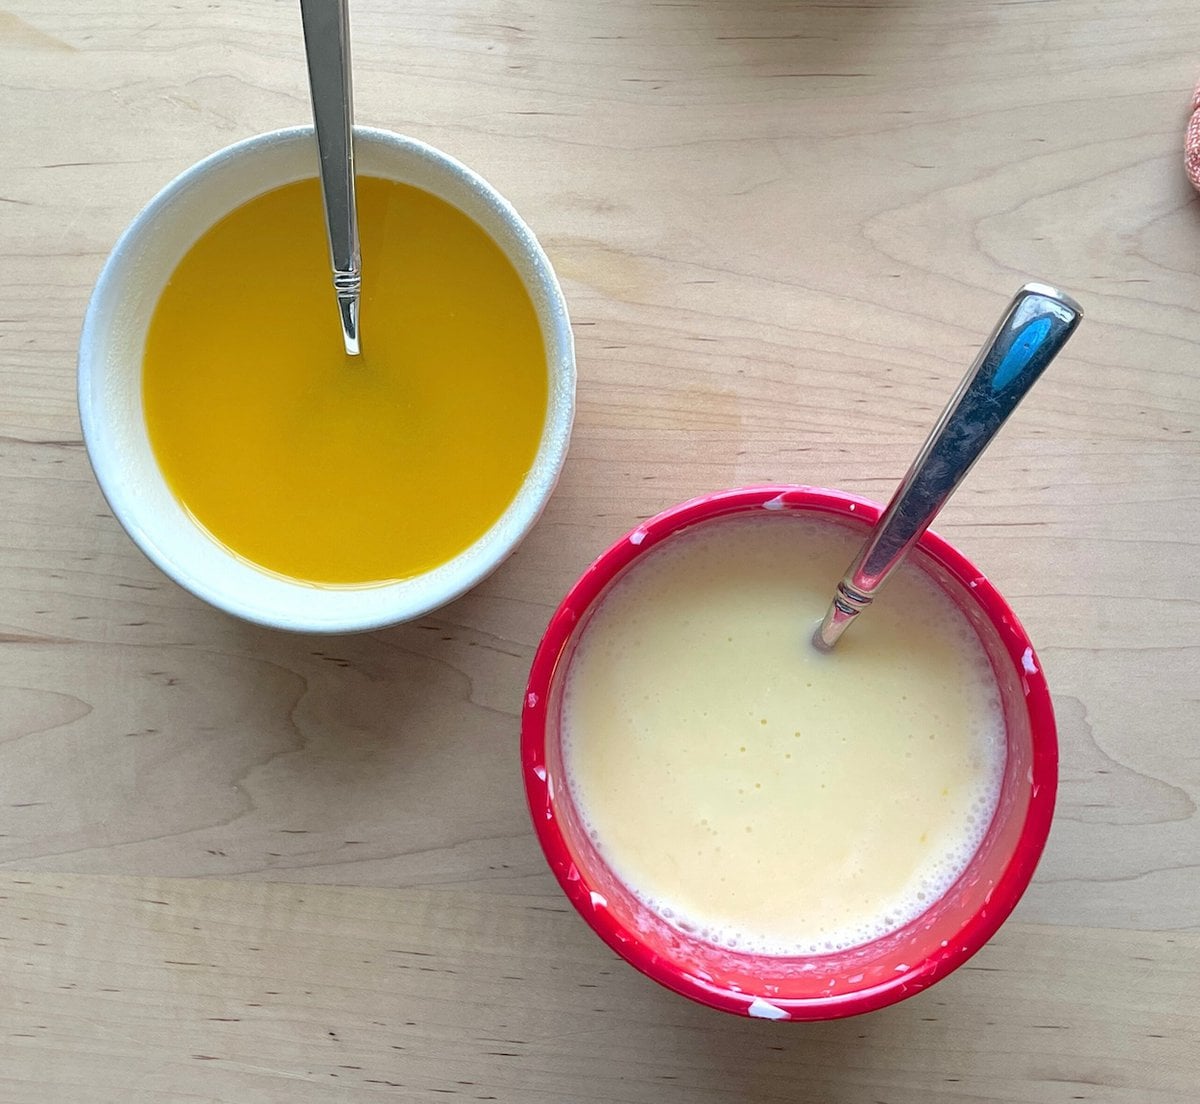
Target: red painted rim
975 587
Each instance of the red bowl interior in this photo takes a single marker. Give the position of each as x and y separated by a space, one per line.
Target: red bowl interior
845 982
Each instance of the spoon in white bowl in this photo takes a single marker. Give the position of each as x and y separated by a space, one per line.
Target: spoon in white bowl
1033 330
327 48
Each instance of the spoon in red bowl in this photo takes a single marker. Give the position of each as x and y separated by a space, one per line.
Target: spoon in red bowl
1033 330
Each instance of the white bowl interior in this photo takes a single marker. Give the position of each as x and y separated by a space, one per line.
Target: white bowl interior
110 370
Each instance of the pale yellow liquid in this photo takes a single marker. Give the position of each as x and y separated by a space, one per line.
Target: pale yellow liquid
747 787
335 469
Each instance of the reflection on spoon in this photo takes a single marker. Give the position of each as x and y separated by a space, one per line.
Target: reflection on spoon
327 47
1033 330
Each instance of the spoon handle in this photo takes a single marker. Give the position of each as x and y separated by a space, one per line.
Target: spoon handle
1033 330
327 48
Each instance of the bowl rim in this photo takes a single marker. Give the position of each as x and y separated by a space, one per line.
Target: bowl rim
554 440
1010 885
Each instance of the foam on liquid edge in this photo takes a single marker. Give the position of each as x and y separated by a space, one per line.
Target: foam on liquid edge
937 874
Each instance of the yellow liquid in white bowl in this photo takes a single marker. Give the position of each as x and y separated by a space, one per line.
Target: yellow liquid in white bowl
330 469
756 792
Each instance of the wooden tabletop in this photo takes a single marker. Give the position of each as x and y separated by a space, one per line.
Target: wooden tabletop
243 866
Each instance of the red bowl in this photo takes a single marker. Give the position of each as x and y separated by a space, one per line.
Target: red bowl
841 983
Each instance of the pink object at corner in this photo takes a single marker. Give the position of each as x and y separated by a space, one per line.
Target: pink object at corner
1191 146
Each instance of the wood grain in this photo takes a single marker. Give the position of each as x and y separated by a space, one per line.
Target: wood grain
170 989
782 228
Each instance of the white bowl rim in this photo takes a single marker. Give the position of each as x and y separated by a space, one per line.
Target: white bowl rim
451 584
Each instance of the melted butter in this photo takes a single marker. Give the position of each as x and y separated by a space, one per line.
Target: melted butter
332 469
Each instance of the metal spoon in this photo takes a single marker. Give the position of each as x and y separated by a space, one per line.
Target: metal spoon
1029 336
327 48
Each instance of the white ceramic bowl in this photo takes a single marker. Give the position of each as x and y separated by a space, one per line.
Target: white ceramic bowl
110 373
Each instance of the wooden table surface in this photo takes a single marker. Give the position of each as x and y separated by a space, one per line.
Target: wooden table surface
243 866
